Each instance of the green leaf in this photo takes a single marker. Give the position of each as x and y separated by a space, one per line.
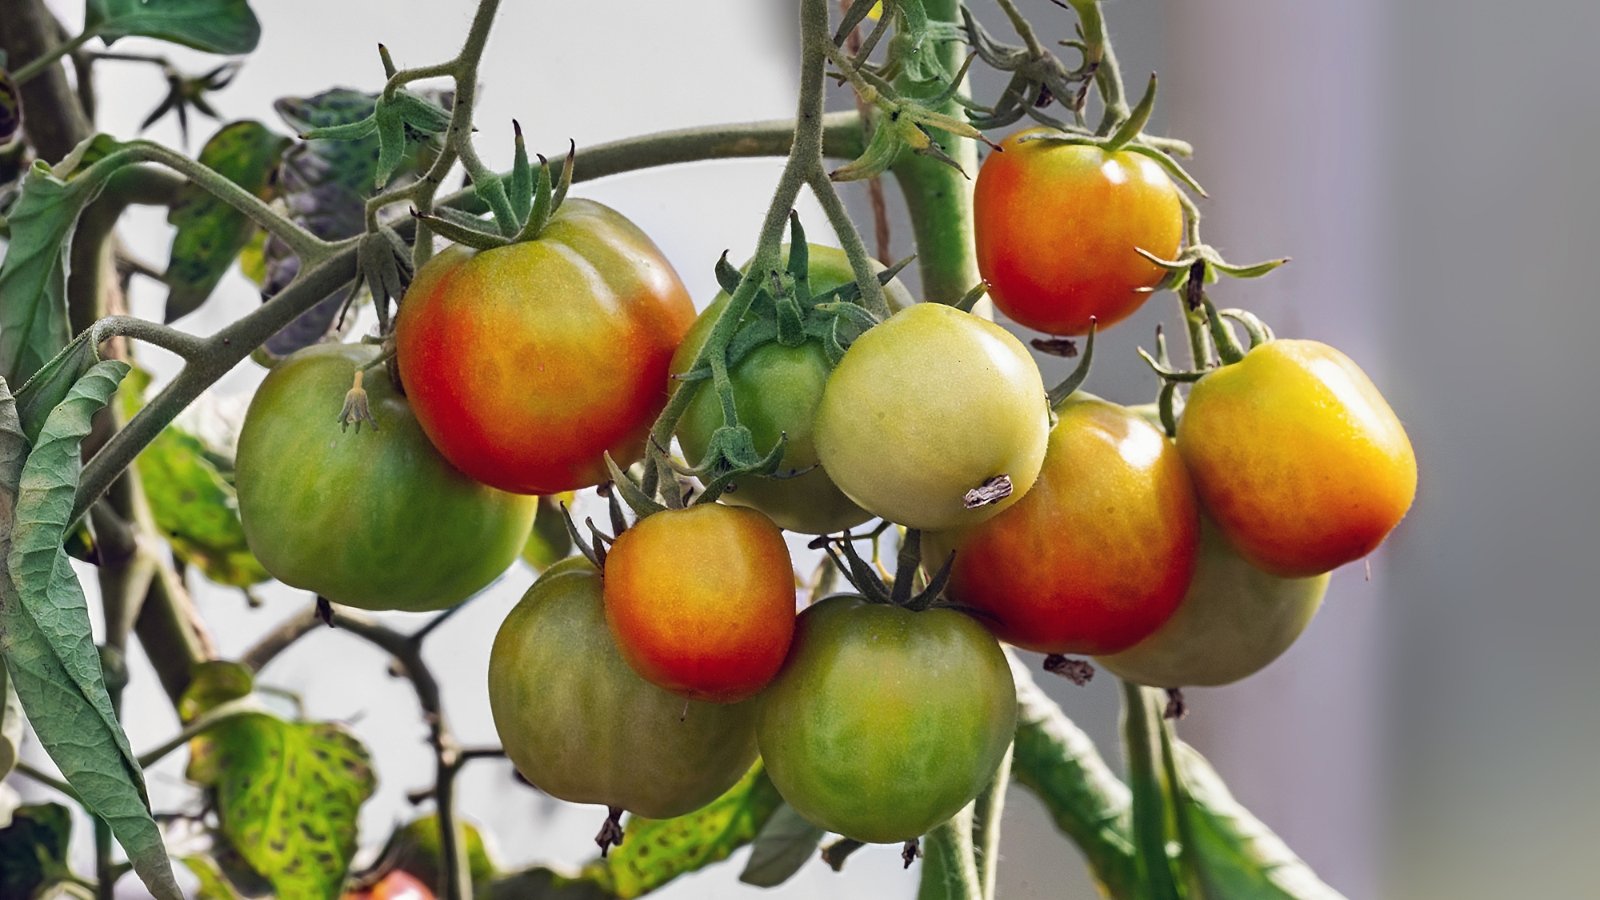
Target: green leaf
44 625
215 26
213 884
785 844
33 849
1234 855
193 502
210 233
1059 763
51 384
544 883
33 275
11 723
288 795
213 683
416 849
655 851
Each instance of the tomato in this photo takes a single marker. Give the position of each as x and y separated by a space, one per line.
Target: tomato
582 726
885 722
926 406
373 518
1298 457
1058 225
1233 621
701 600
1098 554
776 390
526 363
396 885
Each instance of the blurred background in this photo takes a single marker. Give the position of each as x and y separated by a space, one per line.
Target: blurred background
1426 163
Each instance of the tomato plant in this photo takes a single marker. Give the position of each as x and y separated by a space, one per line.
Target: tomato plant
373 518
554 663
1298 457
1233 621
1059 226
884 721
776 390
701 600
526 363
1098 554
928 407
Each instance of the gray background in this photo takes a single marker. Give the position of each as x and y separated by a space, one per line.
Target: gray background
1426 163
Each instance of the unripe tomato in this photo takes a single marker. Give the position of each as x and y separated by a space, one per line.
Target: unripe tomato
373 518
885 722
701 600
582 726
526 363
1298 457
396 885
1098 554
776 390
1233 621
926 406
1058 227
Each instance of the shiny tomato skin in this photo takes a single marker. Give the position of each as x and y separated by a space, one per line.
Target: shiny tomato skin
581 725
526 363
885 722
1233 621
1058 226
926 406
1099 552
776 391
374 518
396 885
1298 457
701 600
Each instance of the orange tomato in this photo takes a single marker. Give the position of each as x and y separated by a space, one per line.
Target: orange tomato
702 601
1058 226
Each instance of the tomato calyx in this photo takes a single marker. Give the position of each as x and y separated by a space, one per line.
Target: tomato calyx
1177 707
870 585
610 833
1078 671
1079 374
909 851
521 202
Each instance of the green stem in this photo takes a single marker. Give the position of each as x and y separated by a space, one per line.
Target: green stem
1107 76
938 196
27 770
1141 721
949 867
211 718
986 814
850 240
39 64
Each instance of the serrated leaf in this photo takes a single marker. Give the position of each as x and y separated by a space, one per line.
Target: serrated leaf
44 624
655 851
210 233
33 848
1058 763
785 844
213 683
193 502
1233 854
33 274
288 795
214 26
11 724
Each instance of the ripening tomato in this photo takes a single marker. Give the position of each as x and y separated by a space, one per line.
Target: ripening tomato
396 885
885 722
1098 554
1058 227
701 600
926 406
581 725
373 518
1298 457
526 363
1233 621
776 390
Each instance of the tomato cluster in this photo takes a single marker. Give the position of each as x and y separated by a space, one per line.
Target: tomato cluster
648 674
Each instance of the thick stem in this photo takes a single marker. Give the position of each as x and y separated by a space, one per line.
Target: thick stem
1141 721
226 712
38 64
986 814
55 121
1107 76
939 197
949 867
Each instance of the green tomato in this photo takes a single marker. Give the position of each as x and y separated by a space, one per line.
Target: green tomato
581 725
1232 622
885 722
374 518
927 406
776 390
